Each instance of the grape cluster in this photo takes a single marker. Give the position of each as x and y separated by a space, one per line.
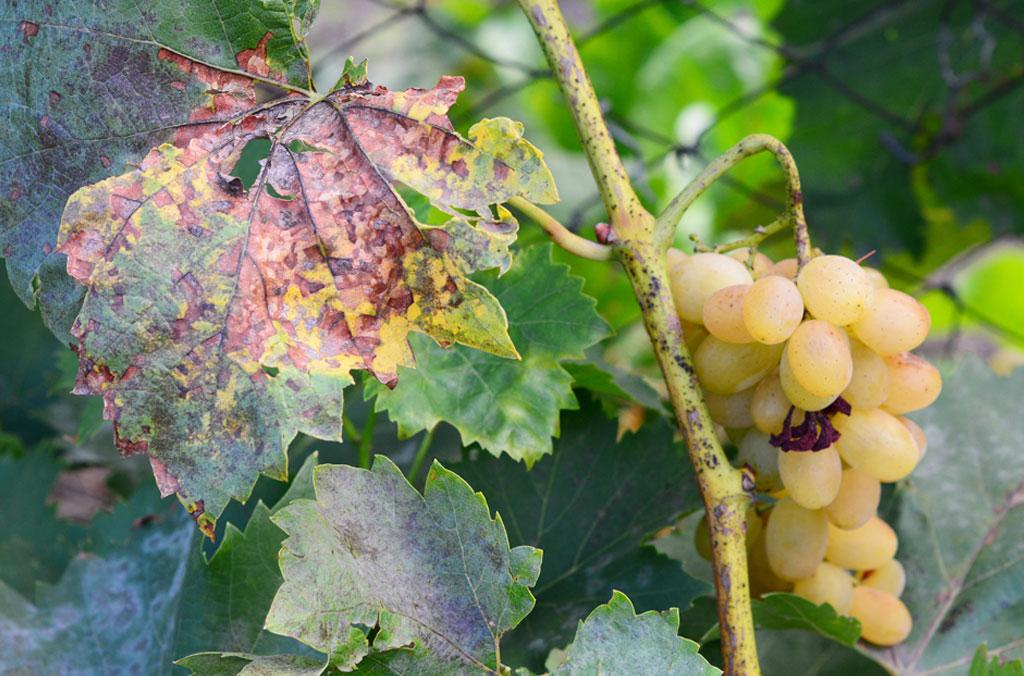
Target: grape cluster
810 374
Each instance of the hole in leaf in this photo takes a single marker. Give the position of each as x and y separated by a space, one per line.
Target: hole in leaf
300 146
274 193
248 166
271 371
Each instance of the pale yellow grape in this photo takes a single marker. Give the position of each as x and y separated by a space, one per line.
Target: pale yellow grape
835 289
699 277
876 443
889 577
819 358
795 539
884 619
693 335
796 393
829 584
761 262
723 314
894 323
864 548
918 434
731 410
785 268
876 278
869 385
762 578
675 259
727 368
913 383
772 309
769 405
811 478
856 501
756 451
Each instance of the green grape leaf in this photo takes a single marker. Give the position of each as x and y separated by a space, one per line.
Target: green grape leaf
505 406
607 381
246 664
432 570
591 507
985 665
960 522
90 86
785 652
615 640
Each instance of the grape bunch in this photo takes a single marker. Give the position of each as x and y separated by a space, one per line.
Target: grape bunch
810 374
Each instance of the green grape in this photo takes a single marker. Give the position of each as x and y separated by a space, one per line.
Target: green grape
723 314
829 584
889 577
884 620
796 393
756 451
727 368
913 383
894 323
835 289
919 436
819 358
869 385
795 539
857 500
864 548
772 310
876 278
696 279
761 262
731 410
876 443
769 406
811 478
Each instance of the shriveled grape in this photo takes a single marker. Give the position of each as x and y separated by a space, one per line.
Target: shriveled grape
857 499
876 443
819 358
795 539
913 383
695 280
835 289
889 577
869 385
772 309
884 619
727 368
864 548
811 479
723 314
894 323
829 584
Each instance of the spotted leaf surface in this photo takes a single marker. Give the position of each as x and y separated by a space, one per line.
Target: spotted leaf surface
433 572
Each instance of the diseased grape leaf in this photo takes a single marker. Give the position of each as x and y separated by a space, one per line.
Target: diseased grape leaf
433 571
221 319
984 665
590 507
505 406
89 86
778 611
615 640
246 664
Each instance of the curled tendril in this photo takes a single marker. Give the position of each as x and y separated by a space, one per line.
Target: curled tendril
815 433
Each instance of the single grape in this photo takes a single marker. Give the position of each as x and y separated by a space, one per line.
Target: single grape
857 500
761 262
762 578
913 383
918 434
864 548
785 268
876 443
796 393
770 405
869 385
876 278
772 309
693 335
795 539
723 314
727 368
756 451
731 410
884 620
894 323
835 289
811 478
819 358
829 584
699 277
889 577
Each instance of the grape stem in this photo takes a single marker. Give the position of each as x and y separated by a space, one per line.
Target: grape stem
760 234
748 147
640 243
561 235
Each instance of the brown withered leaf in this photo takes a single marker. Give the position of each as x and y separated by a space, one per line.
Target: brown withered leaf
221 319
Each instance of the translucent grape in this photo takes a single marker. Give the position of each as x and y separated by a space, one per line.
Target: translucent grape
889 577
727 368
918 434
723 314
762 578
811 478
884 620
769 405
864 548
869 385
772 310
835 289
795 539
731 410
913 383
694 281
819 358
857 500
829 584
761 262
876 443
757 452
796 393
894 323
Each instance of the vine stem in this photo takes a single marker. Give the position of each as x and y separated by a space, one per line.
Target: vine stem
640 247
560 234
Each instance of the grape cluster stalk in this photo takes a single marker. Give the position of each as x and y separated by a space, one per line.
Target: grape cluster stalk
809 372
